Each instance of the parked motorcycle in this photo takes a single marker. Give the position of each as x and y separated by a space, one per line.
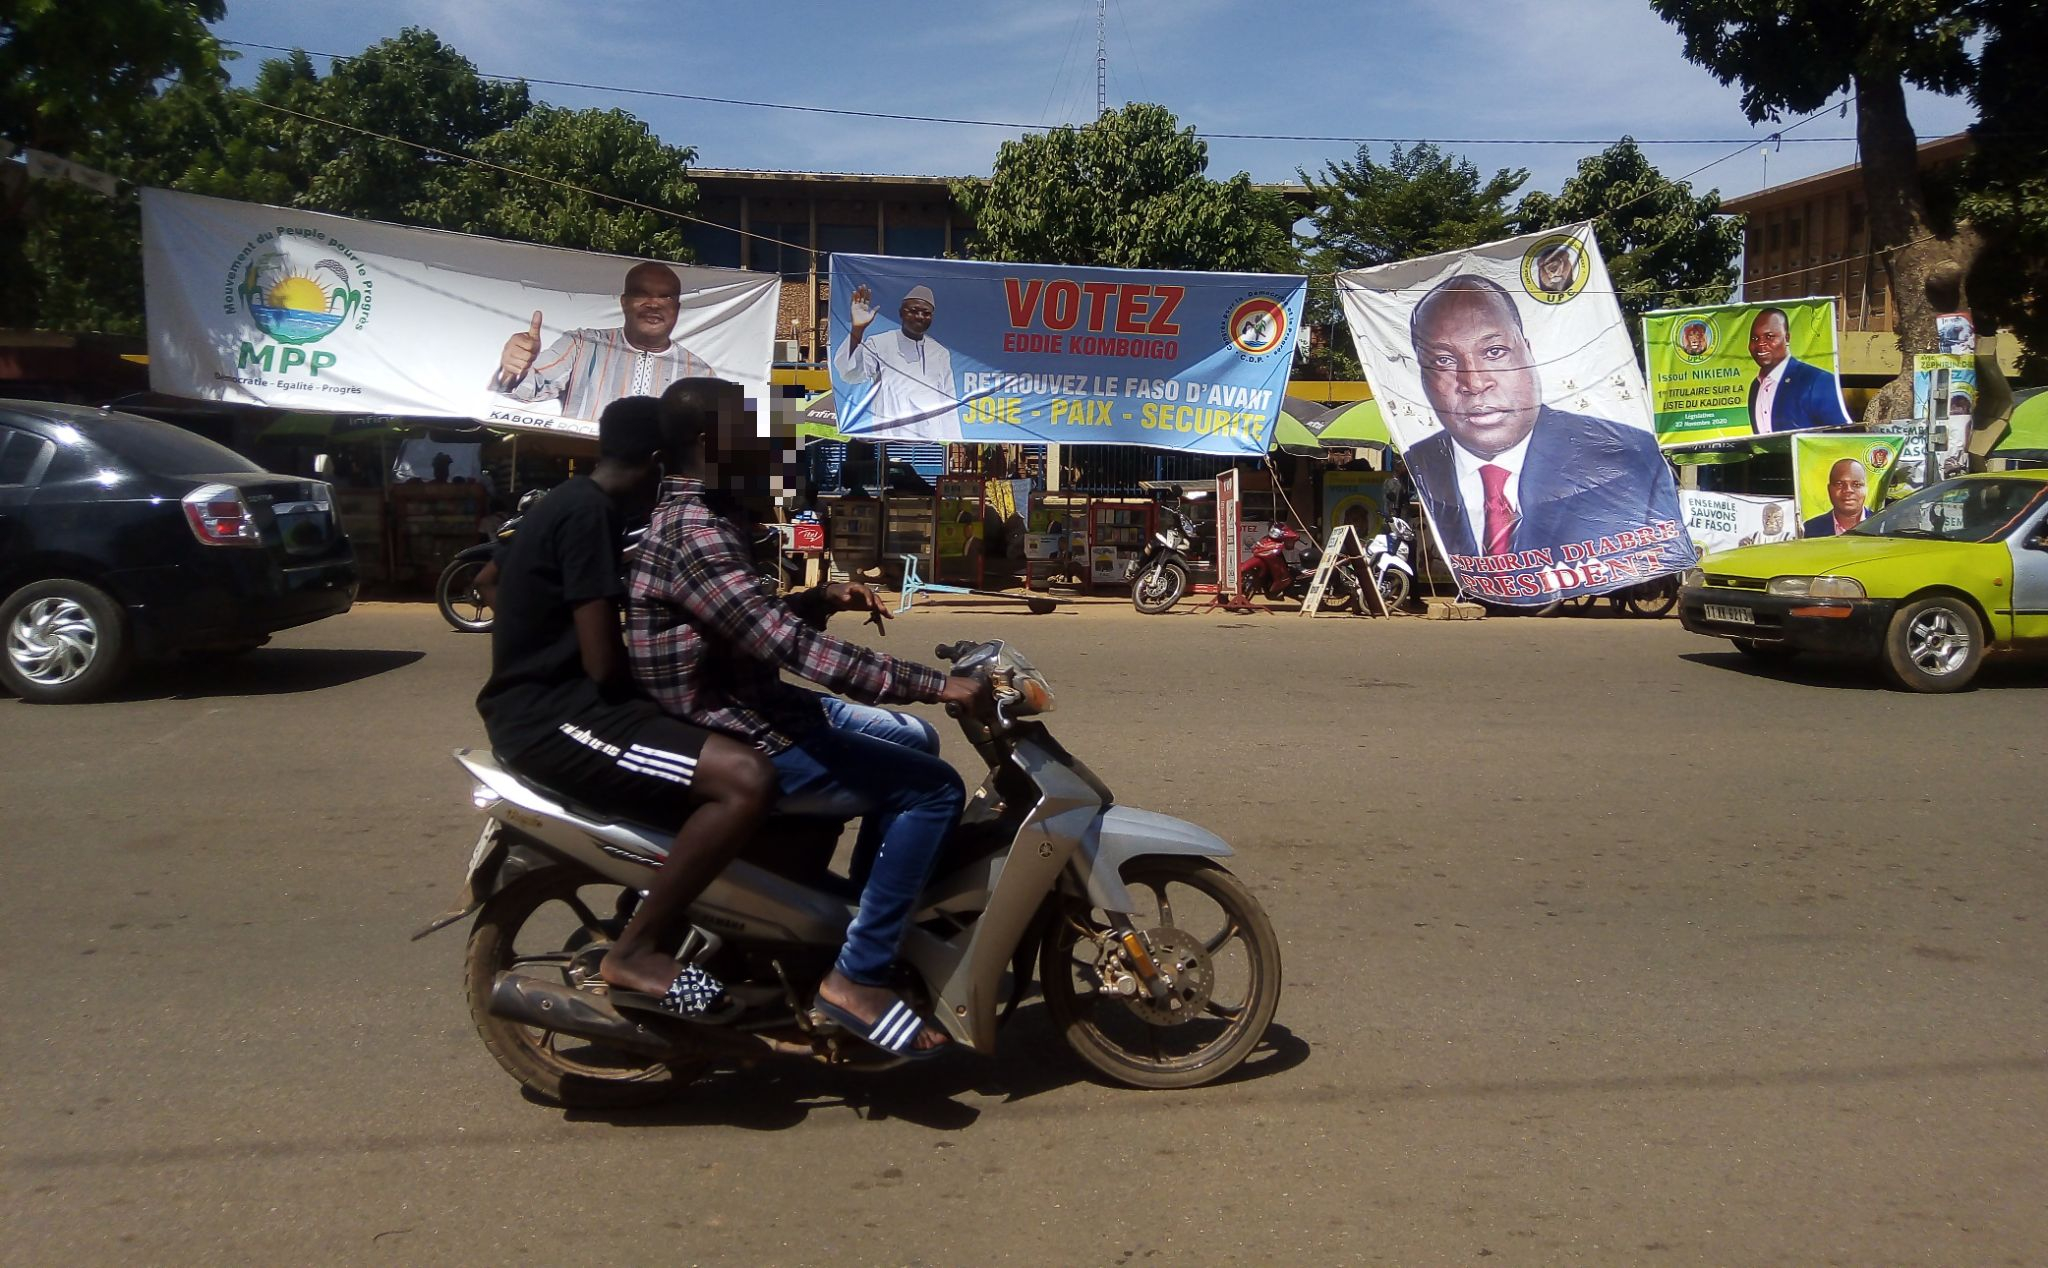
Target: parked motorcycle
1158 968
1160 576
463 605
1390 557
1268 573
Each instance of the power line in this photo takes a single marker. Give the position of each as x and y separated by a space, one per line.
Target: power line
1011 125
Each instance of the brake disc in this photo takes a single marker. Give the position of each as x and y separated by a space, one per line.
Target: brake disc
1189 974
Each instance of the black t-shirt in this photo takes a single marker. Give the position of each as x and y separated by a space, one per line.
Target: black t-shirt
564 553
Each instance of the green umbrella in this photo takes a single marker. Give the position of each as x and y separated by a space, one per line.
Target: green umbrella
2028 430
820 419
1353 425
1294 428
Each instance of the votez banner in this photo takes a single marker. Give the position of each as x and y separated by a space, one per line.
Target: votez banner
955 350
1743 369
270 306
1507 380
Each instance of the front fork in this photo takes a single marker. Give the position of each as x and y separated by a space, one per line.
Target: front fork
1124 962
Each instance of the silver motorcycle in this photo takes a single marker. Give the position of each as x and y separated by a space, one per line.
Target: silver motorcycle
1157 967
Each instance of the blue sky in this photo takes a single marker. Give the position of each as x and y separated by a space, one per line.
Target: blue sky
1505 69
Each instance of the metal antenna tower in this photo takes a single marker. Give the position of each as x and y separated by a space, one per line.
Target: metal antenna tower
1101 58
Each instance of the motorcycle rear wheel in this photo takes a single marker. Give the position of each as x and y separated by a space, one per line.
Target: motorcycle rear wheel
1394 588
461 605
1158 588
546 925
1653 598
1340 595
1234 979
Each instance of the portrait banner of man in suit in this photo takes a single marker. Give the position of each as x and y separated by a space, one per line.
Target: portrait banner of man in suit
1743 369
1839 481
1507 380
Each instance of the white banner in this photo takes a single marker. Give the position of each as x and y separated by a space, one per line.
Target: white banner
270 306
1507 380
1723 521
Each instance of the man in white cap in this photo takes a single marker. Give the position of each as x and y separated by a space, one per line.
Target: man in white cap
910 376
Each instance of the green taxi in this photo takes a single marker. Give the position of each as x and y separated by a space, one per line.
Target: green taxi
1926 587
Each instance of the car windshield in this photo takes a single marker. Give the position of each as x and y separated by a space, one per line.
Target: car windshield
161 449
1972 510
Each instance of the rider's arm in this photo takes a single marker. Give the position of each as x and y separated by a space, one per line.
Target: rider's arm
585 547
597 640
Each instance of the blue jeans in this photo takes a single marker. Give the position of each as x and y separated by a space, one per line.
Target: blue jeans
909 799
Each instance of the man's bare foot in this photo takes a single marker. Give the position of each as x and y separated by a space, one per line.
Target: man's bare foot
868 1003
649 972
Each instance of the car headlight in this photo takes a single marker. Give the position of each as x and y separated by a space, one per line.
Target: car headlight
1815 587
1693 577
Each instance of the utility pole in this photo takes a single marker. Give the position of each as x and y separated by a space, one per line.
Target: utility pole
1101 58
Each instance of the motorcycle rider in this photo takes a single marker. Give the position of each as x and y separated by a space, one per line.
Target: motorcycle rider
562 711
709 645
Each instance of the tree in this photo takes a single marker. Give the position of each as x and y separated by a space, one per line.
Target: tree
607 152
2004 184
70 71
1793 55
1129 190
1664 248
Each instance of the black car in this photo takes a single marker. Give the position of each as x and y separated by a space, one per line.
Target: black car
123 538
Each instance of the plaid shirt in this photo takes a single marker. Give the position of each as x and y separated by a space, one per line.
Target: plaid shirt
709 645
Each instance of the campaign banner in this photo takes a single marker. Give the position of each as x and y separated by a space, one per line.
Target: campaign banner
269 306
956 350
1945 400
1743 369
1506 378
1724 521
1839 481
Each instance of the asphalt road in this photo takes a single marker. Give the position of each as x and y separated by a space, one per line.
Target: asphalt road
1602 946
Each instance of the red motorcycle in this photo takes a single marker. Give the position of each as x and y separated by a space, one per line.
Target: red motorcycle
1267 573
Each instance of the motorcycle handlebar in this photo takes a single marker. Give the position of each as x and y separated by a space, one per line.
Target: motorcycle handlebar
950 652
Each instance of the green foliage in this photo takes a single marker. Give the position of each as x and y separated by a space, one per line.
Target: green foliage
69 68
605 151
1792 55
1419 202
1664 248
1129 190
2004 185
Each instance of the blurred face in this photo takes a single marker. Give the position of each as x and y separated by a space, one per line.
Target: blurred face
1767 341
916 316
1848 485
650 304
1478 372
1774 519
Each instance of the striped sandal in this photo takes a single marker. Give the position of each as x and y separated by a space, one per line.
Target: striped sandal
894 1032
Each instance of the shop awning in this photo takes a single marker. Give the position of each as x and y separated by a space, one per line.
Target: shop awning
820 419
2027 432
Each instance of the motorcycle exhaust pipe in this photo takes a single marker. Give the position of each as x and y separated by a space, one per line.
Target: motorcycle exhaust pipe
553 1006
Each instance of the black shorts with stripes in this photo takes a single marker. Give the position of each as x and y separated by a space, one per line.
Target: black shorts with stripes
631 767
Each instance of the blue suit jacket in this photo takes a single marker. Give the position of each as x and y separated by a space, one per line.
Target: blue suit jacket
1823 524
1807 397
1583 478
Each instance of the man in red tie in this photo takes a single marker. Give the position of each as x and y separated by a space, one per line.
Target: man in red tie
1508 473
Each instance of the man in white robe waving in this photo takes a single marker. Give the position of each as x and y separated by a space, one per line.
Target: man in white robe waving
910 375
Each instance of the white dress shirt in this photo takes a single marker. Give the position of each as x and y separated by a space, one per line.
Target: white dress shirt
1472 489
1766 392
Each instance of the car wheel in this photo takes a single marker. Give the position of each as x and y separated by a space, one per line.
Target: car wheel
1934 644
66 642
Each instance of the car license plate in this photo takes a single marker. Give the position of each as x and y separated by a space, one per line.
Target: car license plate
1733 616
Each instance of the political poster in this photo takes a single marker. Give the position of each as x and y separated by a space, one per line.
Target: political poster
1724 521
955 350
1355 497
1945 402
1743 369
269 306
1839 481
1506 378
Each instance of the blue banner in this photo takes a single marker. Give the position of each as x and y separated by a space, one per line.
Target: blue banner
957 350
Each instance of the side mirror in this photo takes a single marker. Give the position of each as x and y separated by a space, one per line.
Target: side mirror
323 465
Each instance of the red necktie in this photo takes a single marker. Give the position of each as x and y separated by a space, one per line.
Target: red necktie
1500 513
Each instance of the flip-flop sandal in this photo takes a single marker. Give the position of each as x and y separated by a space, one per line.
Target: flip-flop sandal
894 1032
694 996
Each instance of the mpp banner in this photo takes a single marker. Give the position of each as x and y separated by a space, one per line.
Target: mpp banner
269 306
1743 369
1508 381
954 350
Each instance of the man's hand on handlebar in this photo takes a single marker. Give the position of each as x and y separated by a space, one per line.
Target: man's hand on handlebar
970 692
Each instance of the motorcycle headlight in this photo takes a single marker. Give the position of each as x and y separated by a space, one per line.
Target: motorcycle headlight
1836 588
1789 587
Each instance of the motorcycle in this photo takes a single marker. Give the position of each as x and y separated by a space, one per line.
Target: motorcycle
462 604
1157 967
1160 576
1390 556
1268 573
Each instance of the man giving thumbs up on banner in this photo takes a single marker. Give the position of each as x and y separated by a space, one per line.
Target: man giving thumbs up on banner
589 369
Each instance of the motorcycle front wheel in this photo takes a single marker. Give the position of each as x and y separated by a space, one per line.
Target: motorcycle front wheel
461 605
548 926
1158 588
1203 928
1341 594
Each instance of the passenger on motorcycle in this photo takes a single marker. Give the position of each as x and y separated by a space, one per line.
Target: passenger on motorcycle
710 647
562 711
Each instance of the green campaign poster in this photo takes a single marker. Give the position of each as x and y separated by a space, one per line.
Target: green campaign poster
1743 369
1839 479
